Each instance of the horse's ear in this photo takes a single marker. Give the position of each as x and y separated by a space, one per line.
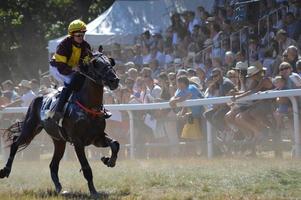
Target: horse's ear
112 61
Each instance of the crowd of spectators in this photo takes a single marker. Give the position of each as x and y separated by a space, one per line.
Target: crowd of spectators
200 56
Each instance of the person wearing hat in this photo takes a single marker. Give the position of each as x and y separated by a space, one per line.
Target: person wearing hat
241 72
71 55
249 113
256 82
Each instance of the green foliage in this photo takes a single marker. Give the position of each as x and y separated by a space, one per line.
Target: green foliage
26 26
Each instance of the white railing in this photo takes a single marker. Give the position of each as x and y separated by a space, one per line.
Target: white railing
291 94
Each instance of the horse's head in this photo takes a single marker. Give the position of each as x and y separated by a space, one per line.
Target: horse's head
101 69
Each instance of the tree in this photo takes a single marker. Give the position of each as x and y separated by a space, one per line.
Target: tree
26 26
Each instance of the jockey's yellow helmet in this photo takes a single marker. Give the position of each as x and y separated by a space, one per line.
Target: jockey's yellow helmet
76 26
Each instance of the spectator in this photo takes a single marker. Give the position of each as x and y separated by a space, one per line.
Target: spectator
26 95
157 55
172 83
8 87
229 60
241 72
293 80
292 26
146 39
192 114
200 73
220 86
232 76
152 90
268 62
132 73
154 66
146 72
138 58
178 28
254 113
4 100
127 91
146 55
292 56
284 41
192 21
282 110
164 84
35 86
187 91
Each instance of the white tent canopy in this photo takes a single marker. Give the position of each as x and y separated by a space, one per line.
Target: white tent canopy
126 19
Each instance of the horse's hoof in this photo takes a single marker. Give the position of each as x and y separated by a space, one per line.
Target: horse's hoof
58 189
95 195
112 162
105 160
4 172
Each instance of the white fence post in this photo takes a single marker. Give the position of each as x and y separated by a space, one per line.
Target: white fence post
209 140
297 147
132 135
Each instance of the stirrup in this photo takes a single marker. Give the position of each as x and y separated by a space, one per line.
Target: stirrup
107 115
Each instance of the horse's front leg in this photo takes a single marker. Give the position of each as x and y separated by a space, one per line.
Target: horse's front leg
80 152
114 145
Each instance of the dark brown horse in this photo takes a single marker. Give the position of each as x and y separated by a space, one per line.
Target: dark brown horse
83 124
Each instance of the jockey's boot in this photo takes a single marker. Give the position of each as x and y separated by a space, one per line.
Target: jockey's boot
107 114
64 96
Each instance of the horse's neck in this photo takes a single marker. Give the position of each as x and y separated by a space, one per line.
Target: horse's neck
91 94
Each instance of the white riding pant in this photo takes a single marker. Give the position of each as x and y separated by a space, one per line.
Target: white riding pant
63 79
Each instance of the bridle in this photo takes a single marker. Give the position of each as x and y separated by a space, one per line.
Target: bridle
88 77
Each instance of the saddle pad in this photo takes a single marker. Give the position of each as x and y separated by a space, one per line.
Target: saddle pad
48 106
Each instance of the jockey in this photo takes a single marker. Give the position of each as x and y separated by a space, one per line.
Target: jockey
68 60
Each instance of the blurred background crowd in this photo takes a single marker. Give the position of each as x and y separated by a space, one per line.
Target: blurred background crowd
201 55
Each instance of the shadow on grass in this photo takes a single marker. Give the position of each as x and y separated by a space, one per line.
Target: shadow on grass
68 195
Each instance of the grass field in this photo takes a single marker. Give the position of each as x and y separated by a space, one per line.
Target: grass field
190 178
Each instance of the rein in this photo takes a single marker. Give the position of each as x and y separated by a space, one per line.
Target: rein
87 76
93 113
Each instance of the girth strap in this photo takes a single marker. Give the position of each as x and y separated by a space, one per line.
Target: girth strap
91 112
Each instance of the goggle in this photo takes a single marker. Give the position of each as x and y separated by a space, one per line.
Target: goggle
81 34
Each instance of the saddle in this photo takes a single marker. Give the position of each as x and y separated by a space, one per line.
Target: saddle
72 106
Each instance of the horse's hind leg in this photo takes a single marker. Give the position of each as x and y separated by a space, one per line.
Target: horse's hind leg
30 129
80 152
28 132
59 149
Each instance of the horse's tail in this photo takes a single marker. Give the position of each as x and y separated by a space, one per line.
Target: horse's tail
12 133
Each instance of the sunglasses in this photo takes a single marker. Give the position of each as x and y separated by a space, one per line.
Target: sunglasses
284 68
214 75
79 34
